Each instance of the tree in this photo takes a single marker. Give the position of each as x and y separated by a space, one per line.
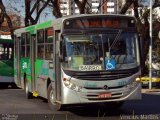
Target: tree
38 7
142 24
56 8
81 5
3 16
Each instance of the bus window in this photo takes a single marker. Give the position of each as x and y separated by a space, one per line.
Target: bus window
23 39
23 51
27 44
23 45
49 43
49 35
27 51
48 51
40 36
6 51
40 51
40 44
27 38
1 51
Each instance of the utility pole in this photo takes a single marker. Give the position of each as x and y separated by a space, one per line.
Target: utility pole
150 48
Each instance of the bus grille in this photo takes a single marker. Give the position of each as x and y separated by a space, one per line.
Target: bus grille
102 77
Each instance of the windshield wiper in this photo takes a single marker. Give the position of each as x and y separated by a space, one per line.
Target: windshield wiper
115 40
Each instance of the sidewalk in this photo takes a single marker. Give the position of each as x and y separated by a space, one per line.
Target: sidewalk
150 90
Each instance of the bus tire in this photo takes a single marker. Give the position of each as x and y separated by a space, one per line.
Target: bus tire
14 86
28 94
51 99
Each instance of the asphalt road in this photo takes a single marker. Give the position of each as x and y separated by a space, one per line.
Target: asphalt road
14 105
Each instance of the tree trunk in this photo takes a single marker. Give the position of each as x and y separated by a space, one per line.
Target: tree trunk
81 5
126 6
27 12
56 8
1 12
29 20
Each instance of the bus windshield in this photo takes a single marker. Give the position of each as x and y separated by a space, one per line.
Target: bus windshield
92 52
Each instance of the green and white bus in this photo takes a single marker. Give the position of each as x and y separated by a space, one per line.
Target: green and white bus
6 62
79 59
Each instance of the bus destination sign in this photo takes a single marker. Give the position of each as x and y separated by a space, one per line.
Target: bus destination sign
99 22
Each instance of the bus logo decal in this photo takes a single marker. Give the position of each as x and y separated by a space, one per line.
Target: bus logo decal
105 87
24 65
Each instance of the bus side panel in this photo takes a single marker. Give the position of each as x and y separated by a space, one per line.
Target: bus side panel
15 71
43 72
6 61
41 75
25 72
7 66
6 75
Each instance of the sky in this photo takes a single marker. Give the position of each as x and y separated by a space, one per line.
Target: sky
19 8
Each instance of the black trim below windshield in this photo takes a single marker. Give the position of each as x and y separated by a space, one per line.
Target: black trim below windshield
102 75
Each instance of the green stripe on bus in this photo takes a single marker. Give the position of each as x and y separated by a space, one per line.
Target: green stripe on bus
31 29
38 67
44 25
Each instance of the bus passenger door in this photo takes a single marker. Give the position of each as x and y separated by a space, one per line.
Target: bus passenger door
57 66
32 61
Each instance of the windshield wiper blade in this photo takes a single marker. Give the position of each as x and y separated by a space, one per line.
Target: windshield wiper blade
116 39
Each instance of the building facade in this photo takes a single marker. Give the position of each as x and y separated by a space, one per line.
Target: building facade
68 7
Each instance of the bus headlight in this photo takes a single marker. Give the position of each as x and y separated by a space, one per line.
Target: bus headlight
138 79
71 85
132 84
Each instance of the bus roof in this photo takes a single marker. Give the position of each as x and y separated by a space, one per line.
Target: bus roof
85 15
57 23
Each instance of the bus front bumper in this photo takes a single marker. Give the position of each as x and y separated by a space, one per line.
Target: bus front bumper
96 96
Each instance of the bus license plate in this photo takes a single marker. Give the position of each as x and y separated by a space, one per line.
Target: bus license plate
105 95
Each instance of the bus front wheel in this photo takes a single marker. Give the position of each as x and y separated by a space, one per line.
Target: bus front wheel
53 105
